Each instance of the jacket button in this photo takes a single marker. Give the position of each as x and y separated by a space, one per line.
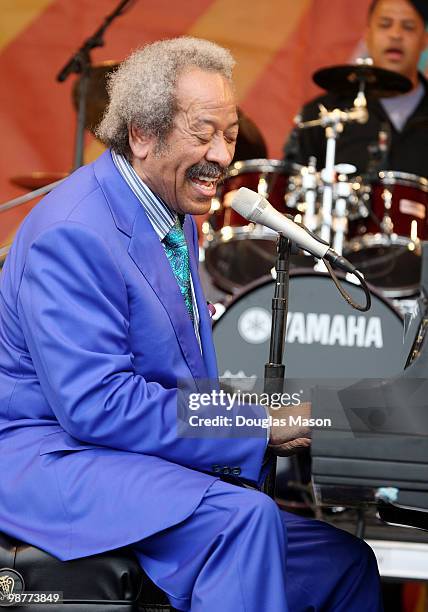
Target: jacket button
226 470
216 469
236 471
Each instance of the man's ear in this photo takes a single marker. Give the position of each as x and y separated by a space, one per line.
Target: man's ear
139 142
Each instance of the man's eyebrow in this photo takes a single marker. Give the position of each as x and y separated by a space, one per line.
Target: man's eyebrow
212 123
234 124
406 20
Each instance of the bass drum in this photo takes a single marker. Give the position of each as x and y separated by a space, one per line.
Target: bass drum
326 338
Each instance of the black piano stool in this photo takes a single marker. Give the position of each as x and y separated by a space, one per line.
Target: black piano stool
108 582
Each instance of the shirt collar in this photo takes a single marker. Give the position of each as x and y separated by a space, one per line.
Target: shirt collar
161 217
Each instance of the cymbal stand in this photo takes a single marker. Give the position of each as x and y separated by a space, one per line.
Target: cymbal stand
340 218
23 200
333 122
80 63
29 196
309 189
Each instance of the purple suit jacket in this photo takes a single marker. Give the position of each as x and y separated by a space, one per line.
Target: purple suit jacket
94 335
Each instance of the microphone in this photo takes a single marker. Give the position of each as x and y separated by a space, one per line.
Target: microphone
254 207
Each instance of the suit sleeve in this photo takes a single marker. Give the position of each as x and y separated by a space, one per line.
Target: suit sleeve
73 306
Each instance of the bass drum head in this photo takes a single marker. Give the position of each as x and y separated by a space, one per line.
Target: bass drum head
326 338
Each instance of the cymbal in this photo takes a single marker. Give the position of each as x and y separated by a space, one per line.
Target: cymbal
35 180
97 98
346 79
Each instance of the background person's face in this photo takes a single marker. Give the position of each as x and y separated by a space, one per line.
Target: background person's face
396 37
204 135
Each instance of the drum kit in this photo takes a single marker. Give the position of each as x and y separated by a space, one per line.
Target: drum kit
376 220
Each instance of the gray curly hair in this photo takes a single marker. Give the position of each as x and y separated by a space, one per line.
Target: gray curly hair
142 90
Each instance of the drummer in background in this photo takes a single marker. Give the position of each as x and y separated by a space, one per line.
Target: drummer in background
395 39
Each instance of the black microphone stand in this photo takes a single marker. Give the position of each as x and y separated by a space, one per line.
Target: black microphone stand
275 369
80 63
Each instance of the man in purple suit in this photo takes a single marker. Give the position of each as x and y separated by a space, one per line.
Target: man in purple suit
101 314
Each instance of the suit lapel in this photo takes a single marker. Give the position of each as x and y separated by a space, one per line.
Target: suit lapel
205 327
148 254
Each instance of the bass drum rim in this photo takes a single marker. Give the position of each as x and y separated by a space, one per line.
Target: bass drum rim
406 179
261 165
366 243
236 234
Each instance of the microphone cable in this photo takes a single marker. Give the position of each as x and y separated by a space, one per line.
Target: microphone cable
345 294
351 270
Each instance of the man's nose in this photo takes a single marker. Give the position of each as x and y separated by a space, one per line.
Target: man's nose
220 151
396 32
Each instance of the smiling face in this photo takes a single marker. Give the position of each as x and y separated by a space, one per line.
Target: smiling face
396 37
185 171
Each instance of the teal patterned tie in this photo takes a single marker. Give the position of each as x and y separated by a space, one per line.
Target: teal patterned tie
176 250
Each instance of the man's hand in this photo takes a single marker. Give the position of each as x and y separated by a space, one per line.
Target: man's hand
289 439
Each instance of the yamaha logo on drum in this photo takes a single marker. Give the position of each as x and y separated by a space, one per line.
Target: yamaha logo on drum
314 328
328 330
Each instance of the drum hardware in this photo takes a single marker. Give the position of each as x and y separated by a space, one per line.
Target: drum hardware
310 193
29 196
383 235
89 95
345 169
97 97
36 180
19 202
333 122
342 193
386 225
80 63
262 185
95 105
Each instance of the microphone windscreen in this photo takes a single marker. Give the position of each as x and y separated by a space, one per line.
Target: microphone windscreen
245 202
